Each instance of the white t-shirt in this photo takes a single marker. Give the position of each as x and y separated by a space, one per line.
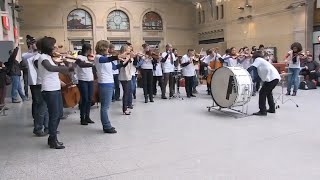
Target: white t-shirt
50 80
32 71
266 71
189 70
208 59
104 71
117 70
289 59
167 66
147 63
231 62
84 74
158 71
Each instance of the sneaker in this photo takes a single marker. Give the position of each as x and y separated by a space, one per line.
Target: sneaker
110 131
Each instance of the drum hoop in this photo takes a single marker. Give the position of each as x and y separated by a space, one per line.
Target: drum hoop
237 90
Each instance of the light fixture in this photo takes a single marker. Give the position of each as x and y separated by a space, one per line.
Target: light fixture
241 18
241 8
249 17
248 6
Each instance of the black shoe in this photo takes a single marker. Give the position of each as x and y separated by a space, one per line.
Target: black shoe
164 97
193 95
54 144
151 100
46 130
60 143
83 122
260 113
110 131
40 134
294 93
134 96
188 96
288 93
271 111
145 99
130 107
89 120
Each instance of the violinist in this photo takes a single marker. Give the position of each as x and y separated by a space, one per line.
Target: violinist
157 76
116 91
244 58
168 61
49 73
104 66
85 83
125 76
134 77
146 63
293 60
232 61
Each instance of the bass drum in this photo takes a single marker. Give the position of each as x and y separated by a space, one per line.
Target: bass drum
231 86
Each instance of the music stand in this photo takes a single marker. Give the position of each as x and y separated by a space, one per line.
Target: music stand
177 76
282 97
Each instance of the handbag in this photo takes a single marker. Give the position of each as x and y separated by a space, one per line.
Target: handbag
8 80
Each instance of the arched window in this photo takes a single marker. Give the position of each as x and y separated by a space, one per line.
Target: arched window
79 19
152 21
118 20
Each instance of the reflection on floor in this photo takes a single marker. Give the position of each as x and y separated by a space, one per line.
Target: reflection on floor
169 139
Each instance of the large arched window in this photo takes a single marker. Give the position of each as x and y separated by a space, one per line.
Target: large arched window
118 20
79 19
152 21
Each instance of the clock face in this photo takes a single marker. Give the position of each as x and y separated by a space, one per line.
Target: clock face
118 20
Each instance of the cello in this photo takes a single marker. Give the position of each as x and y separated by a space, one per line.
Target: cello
214 65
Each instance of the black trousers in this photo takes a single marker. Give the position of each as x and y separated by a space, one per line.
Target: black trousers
312 75
168 77
116 91
189 85
147 82
126 86
156 79
25 84
266 93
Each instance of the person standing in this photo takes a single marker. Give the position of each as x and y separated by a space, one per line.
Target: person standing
157 76
85 83
116 91
188 71
270 76
168 61
3 86
293 60
39 107
51 88
14 72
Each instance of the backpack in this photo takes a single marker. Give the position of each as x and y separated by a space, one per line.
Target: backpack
306 85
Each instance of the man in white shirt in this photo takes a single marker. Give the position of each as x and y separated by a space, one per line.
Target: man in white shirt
188 71
270 76
168 60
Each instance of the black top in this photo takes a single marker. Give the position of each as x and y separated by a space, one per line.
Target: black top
13 65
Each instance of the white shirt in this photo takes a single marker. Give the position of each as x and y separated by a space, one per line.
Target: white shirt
84 74
26 56
245 62
117 70
33 78
266 71
158 71
167 67
50 80
231 62
189 70
208 59
146 63
289 59
104 71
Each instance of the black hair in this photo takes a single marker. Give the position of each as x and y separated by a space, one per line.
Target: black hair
38 44
47 45
297 45
85 48
257 54
30 40
128 44
261 46
143 45
189 50
228 51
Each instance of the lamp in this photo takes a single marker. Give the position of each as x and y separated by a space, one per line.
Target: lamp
241 8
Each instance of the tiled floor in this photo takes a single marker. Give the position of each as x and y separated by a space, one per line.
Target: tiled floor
169 140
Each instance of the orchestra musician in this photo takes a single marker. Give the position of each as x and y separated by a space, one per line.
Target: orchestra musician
39 106
116 91
157 76
134 77
85 83
146 64
104 66
232 60
293 60
188 71
125 76
49 73
168 61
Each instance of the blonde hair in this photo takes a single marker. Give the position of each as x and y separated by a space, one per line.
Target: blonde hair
124 48
102 46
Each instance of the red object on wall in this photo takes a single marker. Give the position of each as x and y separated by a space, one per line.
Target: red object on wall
15 32
5 22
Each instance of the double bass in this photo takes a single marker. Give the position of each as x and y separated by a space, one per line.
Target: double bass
214 65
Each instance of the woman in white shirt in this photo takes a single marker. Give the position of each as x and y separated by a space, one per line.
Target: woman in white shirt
85 84
188 71
125 76
49 73
293 59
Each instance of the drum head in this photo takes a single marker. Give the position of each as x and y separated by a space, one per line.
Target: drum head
223 87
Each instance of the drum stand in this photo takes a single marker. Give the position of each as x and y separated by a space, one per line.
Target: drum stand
177 95
230 111
282 97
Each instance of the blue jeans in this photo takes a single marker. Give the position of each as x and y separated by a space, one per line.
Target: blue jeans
133 86
86 92
39 109
55 109
16 87
293 79
106 99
